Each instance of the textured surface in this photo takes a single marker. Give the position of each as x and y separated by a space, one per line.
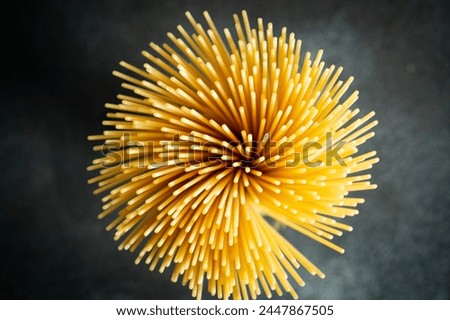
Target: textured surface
56 82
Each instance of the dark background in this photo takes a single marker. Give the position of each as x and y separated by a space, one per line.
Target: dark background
56 76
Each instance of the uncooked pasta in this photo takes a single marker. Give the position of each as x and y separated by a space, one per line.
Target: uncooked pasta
220 137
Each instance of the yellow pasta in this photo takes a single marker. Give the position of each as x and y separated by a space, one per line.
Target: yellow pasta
220 136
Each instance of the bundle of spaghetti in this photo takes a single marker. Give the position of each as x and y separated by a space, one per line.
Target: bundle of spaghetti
220 136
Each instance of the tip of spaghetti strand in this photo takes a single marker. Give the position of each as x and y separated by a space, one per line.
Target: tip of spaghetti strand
320 274
91 138
116 73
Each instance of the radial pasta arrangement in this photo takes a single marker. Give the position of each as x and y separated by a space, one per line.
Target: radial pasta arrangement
221 135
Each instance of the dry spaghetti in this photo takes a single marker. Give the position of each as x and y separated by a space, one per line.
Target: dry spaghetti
219 135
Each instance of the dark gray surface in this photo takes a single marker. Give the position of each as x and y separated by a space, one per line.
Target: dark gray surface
54 84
